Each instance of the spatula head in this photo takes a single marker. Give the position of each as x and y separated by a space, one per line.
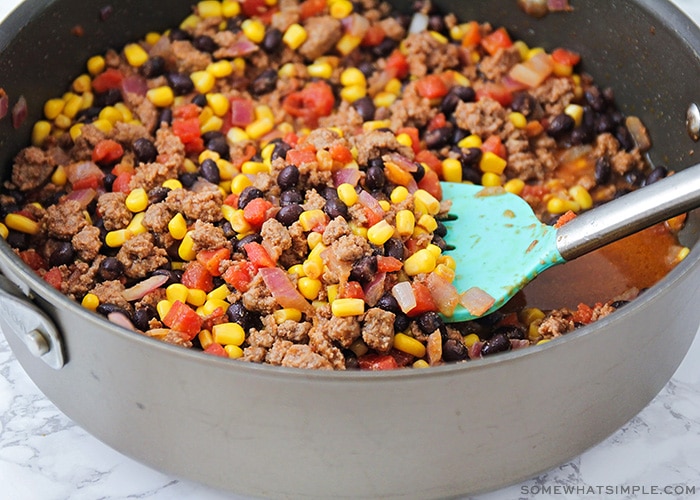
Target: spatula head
500 245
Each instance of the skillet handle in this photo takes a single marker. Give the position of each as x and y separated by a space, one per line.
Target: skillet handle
20 316
630 213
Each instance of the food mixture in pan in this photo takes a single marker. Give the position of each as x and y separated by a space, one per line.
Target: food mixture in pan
262 182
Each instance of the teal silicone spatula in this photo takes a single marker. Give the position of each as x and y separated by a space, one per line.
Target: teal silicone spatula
500 246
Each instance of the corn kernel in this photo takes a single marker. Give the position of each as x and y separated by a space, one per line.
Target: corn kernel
76 130
371 125
452 170
295 36
218 103
380 233
398 194
254 167
176 291
556 205
420 363
347 307
62 122
230 8
514 186
311 218
340 9
137 200
581 196
352 76
491 162
297 269
439 37
409 345
427 222
447 260
428 200
190 22
352 93
260 127
96 65
543 341
161 97
212 124
40 131
233 351
135 55
136 225
384 100
517 119
470 141
314 239
22 223
209 8
117 238
575 111
186 248
320 70
177 226
530 314
394 86
533 330
172 184
445 272
313 267
423 261
386 206
236 219
205 339
309 287
196 297
203 81
471 339
287 314
405 222
53 108
163 307
347 194
220 69
358 230
211 306
348 43
239 183
254 30
332 293
73 105
90 301
490 179
228 333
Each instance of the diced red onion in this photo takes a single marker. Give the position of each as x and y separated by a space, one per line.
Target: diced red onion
476 301
143 288
82 170
403 293
402 162
82 196
558 5
135 84
242 112
121 320
19 112
367 200
443 292
241 47
4 105
374 289
346 176
474 350
282 289
519 343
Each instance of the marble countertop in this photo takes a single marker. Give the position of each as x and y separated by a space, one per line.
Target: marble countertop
44 455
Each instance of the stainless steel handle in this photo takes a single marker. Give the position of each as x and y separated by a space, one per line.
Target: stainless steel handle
630 213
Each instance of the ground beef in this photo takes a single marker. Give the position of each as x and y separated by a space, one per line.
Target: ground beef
322 34
204 205
157 217
377 143
484 117
344 331
554 95
143 109
111 292
411 110
65 220
112 207
171 151
77 279
299 247
322 344
140 256
32 168
294 331
424 53
254 354
378 329
497 66
276 238
152 175
350 248
87 243
258 298
335 229
208 236
556 323
275 354
188 58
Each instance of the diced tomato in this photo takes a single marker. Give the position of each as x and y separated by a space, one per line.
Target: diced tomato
431 86
88 182
414 134
54 278
496 40
211 259
248 152
123 167
496 91
182 318
564 218
107 152
32 258
310 8
340 153
257 255
396 174
397 65
374 36
239 275
495 145
186 111
438 121
109 79
187 129
536 192
351 290
216 350
388 264
231 200
197 276
121 183
402 358
254 7
566 57
509 319
311 103
257 211
300 157
427 157
424 299
291 138
377 362
431 183
472 34
533 128
583 314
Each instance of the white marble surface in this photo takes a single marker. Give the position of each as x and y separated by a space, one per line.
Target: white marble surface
45 456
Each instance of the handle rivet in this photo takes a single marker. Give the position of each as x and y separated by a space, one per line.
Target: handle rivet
692 121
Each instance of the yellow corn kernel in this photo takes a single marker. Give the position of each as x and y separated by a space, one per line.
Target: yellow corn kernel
218 103
575 111
313 267
177 226
420 363
288 70
452 170
309 287
490 179
427 222
371 125
136 225
294 36
236 135
209 8
213 123
311 218
172 184
22 223
348 43
186 248
358 230
73 105
405 222
220 69
471 339
352 76
196 297
137 200
398 194
190 22
59 176
384 100
380 233
90 301
103 125
76 130
314 239
581 196
491 162
297 269
543 341
394 86
317 250
533 329
404 139
219 293
254 167
230 8
203 81
53 108
514 186
161 97
408 344
254 30
260 127
435 250
40 131
176 291
96 65
340 9
470 141
135 54
556 205
352 93
530 314
62 122
445 272
347 307
228 333
347 194
428 200
163 307
447 260
117 238
320 70
517 119
211 306
88 98
239 183
205 338
332 293
207 154
227 171
233 351
439 37
423 261
236 219
288 314
386 206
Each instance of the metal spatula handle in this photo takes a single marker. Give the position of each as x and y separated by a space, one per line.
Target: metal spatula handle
630 213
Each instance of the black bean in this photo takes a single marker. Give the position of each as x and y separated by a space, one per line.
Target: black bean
180 83
367 67
498 343
249 238
619 303
237 313
205 43
388 302
63 254
470 157
153 67
18 240
108 181
524 103
178 34
560 125
264 83
328 192
364 269
157 194
188 179
272 40
604 123
145 150
515 332
209 170
385 47
401 321
234 24
458 135
623 136
441 229
439 242
656 175
106 12
228 230
454 350
436 23
108 308
394 248
438 137
200 100
336 208
602 170
375 178
456 95
430 321
143 315
248 194
594 99
288 177
218 144
107 98
289 214
280 150
419 173
110 269
166 116
351 362
365 108
290 197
